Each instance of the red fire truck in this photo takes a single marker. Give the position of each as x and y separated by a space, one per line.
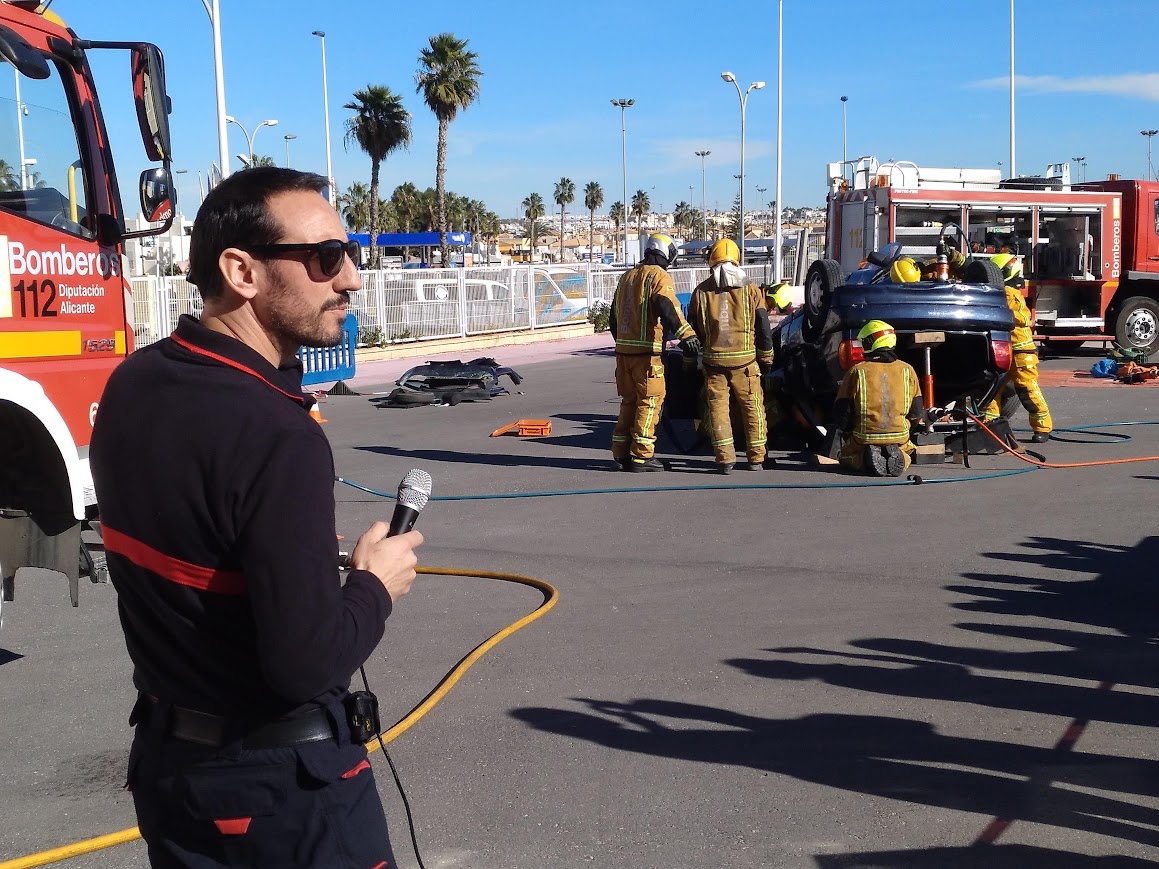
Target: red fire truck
1090 252
64 299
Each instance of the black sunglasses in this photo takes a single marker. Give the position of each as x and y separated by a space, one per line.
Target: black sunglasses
330 252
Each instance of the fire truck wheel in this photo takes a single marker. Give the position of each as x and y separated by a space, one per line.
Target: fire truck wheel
823 277
1138 324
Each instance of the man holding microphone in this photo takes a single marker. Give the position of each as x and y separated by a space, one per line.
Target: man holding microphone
216 491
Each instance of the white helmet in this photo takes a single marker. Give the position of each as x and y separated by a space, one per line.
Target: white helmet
663 245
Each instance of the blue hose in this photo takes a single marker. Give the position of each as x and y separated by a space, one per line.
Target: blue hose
912 480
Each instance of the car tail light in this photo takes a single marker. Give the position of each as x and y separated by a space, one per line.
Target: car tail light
1001 350
850 353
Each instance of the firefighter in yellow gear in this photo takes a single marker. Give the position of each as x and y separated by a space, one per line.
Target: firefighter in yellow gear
956 262
779 301
643 308
1023 373
731 320
877 403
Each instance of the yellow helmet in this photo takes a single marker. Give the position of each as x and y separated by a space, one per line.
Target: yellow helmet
877 335
724 251
904 271
1010 267
779 296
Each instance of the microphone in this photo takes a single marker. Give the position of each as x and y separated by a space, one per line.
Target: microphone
413 493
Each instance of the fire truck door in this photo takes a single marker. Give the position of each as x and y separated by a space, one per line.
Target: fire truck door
1151 233
856 239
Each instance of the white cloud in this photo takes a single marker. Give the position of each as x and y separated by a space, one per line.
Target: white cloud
1140 85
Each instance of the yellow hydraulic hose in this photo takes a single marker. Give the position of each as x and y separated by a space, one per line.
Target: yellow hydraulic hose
550 596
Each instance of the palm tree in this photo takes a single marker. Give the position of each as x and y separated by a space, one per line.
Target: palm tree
616 213
533 210
405 199
564 196
381 124
355 205
593 199
489 228
448 79
640 206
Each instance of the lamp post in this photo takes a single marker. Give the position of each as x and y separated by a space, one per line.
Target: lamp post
321 34
844 137
624 105
1013 173
249 137
744 98
177 173
25 175
761 194
214 13
778 235
703 200
1149 135
288 137
1082 165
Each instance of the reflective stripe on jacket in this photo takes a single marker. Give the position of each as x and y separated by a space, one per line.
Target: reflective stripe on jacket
883 396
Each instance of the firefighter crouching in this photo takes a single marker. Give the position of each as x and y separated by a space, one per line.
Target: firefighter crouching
1023 374
643 307
878 401
779 301
731 321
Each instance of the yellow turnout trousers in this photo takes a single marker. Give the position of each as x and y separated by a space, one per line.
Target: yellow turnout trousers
1023 374
640 385
745 383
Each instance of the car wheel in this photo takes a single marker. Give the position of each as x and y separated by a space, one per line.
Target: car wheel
983 271
823 277
1138 324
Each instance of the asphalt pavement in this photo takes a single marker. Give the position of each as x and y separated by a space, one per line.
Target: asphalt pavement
962 673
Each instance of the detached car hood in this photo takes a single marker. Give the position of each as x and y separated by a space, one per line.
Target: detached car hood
925 305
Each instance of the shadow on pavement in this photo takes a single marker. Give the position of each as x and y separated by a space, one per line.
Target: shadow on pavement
7 657
1106 624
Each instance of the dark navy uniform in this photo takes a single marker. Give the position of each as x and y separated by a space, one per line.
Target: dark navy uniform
216 491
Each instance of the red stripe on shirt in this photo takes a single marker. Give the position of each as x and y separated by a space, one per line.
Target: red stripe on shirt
173 569
200 351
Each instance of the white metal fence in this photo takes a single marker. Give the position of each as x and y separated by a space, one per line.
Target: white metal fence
415 304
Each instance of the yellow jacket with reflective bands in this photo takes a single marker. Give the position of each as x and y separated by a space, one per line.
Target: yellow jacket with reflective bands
732 324
643 306
883 395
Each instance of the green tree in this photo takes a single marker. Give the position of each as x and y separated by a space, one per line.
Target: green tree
732 228
355 207
381 124
641 206
593 199
616 214
405 199
448 79
564 196
533 210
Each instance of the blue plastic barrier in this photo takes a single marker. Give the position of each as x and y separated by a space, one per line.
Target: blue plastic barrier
326 364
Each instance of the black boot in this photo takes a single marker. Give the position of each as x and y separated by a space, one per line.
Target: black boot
1040 437
894 460
643 466
754 466
725 467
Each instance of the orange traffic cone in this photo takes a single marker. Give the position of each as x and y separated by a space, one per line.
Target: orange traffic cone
316 413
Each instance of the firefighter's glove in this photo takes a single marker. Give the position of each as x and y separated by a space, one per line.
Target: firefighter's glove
764 366
690 346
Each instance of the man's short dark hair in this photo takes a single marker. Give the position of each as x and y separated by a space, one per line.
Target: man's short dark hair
234 214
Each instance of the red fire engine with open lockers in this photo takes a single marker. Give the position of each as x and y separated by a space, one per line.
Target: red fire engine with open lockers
1089 252
64 299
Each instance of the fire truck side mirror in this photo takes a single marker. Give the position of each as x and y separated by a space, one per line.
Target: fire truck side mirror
28 61
152 102
157 195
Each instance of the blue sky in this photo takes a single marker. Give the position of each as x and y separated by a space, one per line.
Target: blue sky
926 82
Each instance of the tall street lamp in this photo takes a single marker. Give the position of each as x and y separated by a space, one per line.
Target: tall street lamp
778 234
761 192
214 13
288 137
1082 165
623 105
844 136
177 173
744 98
1149 134
321 34
249 137
703 200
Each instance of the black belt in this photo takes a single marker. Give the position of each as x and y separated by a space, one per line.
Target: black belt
215 731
